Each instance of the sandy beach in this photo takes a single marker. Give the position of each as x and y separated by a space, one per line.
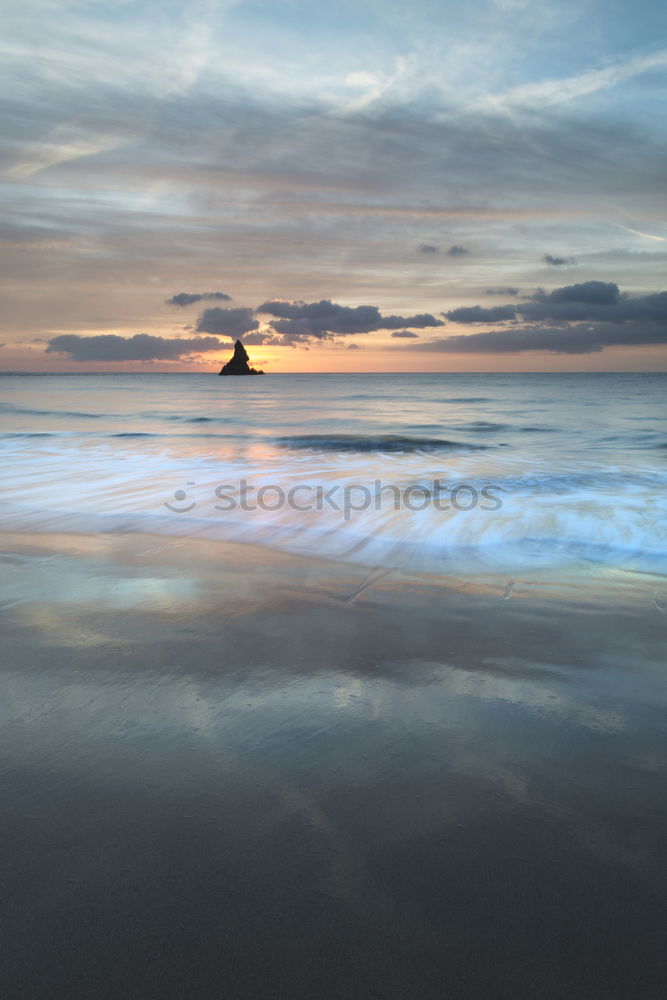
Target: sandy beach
235 772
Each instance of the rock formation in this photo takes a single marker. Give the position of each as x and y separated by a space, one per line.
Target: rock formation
238 363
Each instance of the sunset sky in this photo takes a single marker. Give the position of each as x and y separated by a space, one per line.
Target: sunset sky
453 185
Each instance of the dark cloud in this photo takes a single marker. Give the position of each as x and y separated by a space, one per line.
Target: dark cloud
593 292
404 334
428 248
558 261
478 314
140 347
580 339
321 320
502 291
600 301
227 322
594 301
189 298
420 320
457 250
293 331
260 337
573 319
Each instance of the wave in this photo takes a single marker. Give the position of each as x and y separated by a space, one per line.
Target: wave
188 420
380 443
502 514
27 434
10 408
454 399
73 436
485 426
423 541
466 399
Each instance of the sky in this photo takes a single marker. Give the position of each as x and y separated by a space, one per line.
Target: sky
445 185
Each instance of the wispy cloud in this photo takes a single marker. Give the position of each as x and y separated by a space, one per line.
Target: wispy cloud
374 86
65 142
646 236
554 91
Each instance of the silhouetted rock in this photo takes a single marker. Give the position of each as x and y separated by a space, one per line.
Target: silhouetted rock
238 364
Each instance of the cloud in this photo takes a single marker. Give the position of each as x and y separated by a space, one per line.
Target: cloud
277 180
404 334
646 236
428 248
321 320
502 291
594 301
140 347
227 322
478 314
386 184
558 261
580 339
189 298
573 319
260 337
66 142
544 93
592 292
457 250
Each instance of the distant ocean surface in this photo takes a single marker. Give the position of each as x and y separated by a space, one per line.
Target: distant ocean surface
438 473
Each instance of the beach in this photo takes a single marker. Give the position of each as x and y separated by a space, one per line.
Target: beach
232 772
364 749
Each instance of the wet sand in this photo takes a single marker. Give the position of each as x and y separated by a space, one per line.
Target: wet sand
233 773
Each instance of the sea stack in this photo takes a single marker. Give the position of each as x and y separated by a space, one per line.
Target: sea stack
239 363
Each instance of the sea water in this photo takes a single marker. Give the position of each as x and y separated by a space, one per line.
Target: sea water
437 472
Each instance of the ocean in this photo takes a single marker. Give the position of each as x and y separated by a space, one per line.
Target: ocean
440 473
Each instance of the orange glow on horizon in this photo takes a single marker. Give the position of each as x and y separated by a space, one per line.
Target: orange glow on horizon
369 358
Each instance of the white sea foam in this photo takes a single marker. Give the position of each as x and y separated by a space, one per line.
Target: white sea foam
505 513
586 484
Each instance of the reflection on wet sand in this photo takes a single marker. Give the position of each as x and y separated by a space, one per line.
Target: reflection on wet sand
230 772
